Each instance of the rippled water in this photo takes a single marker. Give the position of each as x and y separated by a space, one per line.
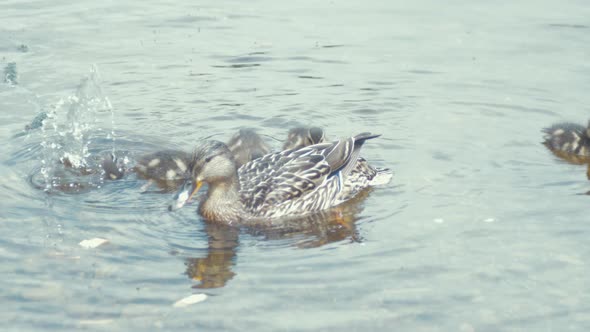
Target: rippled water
482 229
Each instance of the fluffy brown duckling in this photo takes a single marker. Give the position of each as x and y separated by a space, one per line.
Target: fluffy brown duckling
165 165
569 141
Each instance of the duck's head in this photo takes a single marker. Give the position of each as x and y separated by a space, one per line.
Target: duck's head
303 136
213 163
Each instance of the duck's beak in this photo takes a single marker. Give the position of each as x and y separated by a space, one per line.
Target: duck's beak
187 190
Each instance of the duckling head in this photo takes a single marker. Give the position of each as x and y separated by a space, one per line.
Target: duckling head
304 136
316 135
246 145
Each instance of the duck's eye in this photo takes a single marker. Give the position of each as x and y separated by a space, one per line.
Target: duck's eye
208 159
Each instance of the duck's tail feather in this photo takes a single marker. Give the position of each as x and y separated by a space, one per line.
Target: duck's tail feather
359 140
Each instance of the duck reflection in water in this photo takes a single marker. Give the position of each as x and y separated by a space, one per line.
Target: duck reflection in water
214 270
329 226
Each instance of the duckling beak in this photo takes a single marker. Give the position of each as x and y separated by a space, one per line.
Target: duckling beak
187 190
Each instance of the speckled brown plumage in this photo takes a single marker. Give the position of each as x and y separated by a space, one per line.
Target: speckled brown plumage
569 141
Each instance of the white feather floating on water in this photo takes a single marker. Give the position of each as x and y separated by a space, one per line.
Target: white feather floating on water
195 298
93 243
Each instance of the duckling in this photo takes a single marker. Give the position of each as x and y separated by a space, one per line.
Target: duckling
112 169
246 145
569 141
289 183
303 136
168 168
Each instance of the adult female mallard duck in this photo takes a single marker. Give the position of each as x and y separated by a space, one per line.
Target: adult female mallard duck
569 141
292 182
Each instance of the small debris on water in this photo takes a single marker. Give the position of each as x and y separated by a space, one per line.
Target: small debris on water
195 298
489 220
95 322
93 243
439 220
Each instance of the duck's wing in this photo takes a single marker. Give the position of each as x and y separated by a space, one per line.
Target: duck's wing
292 175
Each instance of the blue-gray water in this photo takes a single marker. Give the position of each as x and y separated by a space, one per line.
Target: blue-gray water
481 229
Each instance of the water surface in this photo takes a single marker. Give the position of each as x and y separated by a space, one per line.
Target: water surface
482 229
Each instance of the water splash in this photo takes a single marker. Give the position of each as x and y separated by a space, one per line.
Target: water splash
71 127
84 112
